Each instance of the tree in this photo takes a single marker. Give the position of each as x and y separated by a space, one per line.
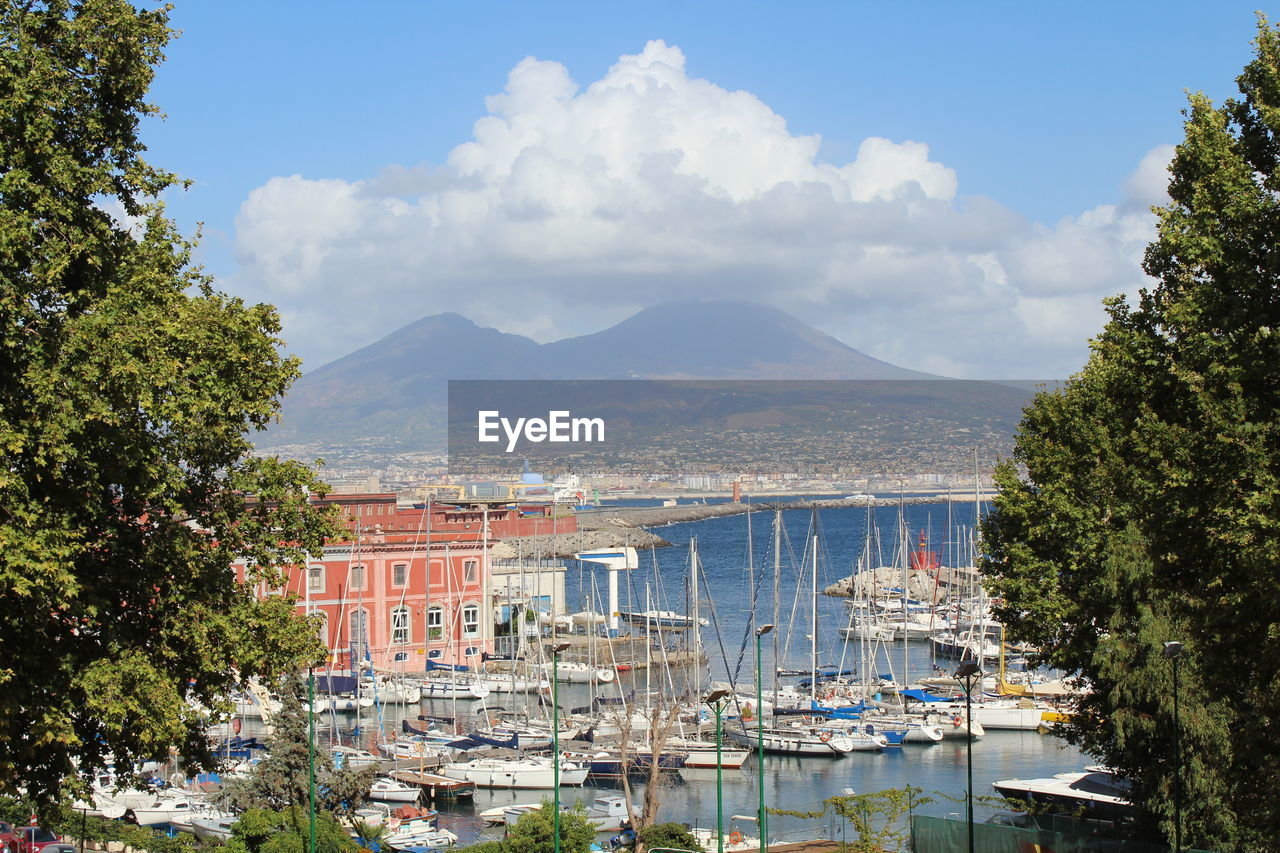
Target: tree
266 831
534 831
674 836
281 780
128 390
1142 504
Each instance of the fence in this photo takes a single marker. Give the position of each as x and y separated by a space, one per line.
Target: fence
1040 834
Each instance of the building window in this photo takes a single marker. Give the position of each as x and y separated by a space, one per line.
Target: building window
470 568
435 623
315 578
471 651
357 578
436 573
399 574
359 633
323 626
471 620
400 626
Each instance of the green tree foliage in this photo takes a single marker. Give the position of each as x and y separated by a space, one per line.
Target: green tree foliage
534 831
266 831
128 389
1147 506
280 781
670 835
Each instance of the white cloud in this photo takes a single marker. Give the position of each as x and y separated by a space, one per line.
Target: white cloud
571 208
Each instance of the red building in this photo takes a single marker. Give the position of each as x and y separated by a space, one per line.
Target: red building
411 584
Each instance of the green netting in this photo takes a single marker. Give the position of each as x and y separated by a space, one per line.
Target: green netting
1046 834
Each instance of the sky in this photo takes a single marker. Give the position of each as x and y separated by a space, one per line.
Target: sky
951 187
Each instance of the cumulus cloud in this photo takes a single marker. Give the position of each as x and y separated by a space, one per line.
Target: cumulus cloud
572 207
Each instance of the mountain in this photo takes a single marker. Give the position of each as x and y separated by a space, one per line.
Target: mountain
714 340
393 392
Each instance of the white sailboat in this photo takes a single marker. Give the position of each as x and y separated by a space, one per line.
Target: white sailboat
536 773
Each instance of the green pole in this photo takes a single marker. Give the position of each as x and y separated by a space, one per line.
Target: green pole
719 786
1177 758
311 755
555 742
968 747
762 819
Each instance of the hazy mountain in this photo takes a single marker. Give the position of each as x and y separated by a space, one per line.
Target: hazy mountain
394 390
714 340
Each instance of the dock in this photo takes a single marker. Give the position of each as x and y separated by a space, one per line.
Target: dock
436 787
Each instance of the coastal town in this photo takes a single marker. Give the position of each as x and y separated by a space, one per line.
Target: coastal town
651 428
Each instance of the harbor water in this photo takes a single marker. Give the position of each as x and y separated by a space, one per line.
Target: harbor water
735 580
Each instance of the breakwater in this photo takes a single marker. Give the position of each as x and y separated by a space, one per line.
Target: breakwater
607 517
619 526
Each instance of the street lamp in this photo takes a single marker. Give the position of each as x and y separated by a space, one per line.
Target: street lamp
967 672
1172 651
762 820
715 701
555 739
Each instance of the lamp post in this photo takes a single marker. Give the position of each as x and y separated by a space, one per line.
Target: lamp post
1172 651
555 740
967 672
715 701
762 820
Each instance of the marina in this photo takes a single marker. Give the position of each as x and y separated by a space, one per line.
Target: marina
478 741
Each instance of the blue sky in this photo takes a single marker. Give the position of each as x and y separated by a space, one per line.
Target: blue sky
992 246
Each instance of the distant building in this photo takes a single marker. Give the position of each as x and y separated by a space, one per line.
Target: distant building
413 584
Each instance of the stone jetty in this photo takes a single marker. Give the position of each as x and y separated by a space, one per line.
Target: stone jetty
619 526
607 517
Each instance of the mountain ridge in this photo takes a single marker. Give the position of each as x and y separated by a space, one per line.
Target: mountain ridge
394 389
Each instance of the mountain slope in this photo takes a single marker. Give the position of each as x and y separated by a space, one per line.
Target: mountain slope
393 392
715 340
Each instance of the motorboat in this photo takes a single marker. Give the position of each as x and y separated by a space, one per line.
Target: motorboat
185 822
607 813
498 682
651 619
829 742
354 757
212 828
390 790
163 808
701 753
1101 793
444 687
577 672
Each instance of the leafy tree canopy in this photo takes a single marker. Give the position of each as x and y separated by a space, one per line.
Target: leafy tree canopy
128 389
534 831
266 831
1143 501
671 835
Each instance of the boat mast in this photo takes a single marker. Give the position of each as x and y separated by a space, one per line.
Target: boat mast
693 594
904 551
751 575
777 594
813 617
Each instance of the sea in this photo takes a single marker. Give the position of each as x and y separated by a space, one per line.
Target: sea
735 580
